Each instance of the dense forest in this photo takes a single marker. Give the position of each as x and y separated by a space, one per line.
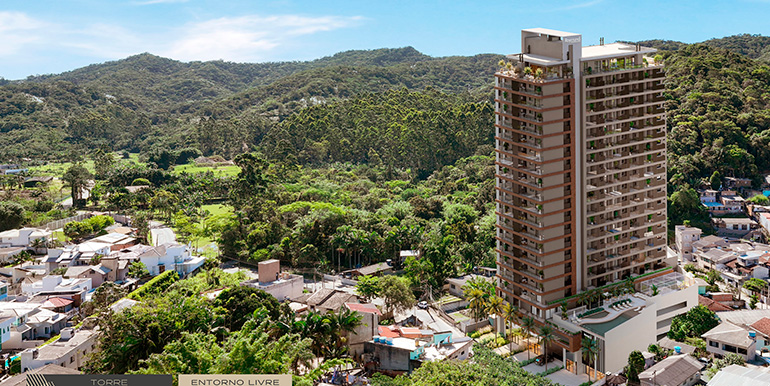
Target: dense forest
371 140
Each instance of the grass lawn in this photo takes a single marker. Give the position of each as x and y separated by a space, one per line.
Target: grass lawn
207 245
459 317
219 171
215 209
58 169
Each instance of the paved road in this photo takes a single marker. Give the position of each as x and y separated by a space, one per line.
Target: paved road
162 236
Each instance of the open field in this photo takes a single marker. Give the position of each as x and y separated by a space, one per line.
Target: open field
219 171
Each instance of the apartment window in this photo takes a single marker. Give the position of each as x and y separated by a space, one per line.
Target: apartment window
72 359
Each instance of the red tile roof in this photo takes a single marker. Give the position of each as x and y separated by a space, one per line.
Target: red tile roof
388 333
364 308
56 303
763 326
713 305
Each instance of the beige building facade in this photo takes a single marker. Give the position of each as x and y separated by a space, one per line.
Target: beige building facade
580 169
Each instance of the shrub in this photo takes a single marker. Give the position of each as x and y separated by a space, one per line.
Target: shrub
140 182
155 286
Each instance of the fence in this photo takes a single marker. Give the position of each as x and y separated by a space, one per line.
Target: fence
344 281
60 223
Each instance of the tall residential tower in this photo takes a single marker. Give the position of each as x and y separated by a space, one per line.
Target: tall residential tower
581 168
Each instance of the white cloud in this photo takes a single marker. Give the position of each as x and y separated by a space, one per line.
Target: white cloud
31 45
248 38
17 31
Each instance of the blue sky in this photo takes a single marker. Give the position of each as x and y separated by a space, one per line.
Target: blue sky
52 36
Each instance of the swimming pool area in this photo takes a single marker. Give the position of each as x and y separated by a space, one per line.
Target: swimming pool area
602 328
712 204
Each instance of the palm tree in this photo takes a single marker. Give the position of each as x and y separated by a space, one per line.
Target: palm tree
528 326
476 302
590 352
582 298
511 316
546 338
494 306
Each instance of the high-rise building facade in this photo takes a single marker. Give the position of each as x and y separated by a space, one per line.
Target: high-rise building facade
580 168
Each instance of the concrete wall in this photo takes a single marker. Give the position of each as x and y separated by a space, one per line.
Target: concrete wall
268 270
391 358
363 333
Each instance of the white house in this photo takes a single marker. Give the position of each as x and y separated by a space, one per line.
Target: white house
731 338
22 237
55 283
281 285
170 256
685 236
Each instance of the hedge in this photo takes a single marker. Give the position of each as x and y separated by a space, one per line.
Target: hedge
155 286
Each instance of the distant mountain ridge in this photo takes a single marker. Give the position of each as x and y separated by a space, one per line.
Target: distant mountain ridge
753 46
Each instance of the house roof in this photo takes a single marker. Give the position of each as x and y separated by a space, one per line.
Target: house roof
712 304
56 302
727 332
670 344
372 269
158 251
329 298
736 375
388 332
762 326
672 371
367 308
744 317
21 379
719 256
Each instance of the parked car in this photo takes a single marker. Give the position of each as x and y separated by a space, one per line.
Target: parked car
423 304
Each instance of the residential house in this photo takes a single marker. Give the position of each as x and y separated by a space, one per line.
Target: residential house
55 283
673 345
739 375
731 338
326 299
737 183
764 220
401 350
457 284
712 304
732 202
708 243
734 227
762 328
676 370
23 237
21 379
32 182
282 285
10 168
708 195
170 256
117 241
96 273
58 304
30 321
685 236
370 321
378 269
70 350
7 255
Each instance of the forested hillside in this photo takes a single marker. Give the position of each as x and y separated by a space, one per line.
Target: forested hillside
146 102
